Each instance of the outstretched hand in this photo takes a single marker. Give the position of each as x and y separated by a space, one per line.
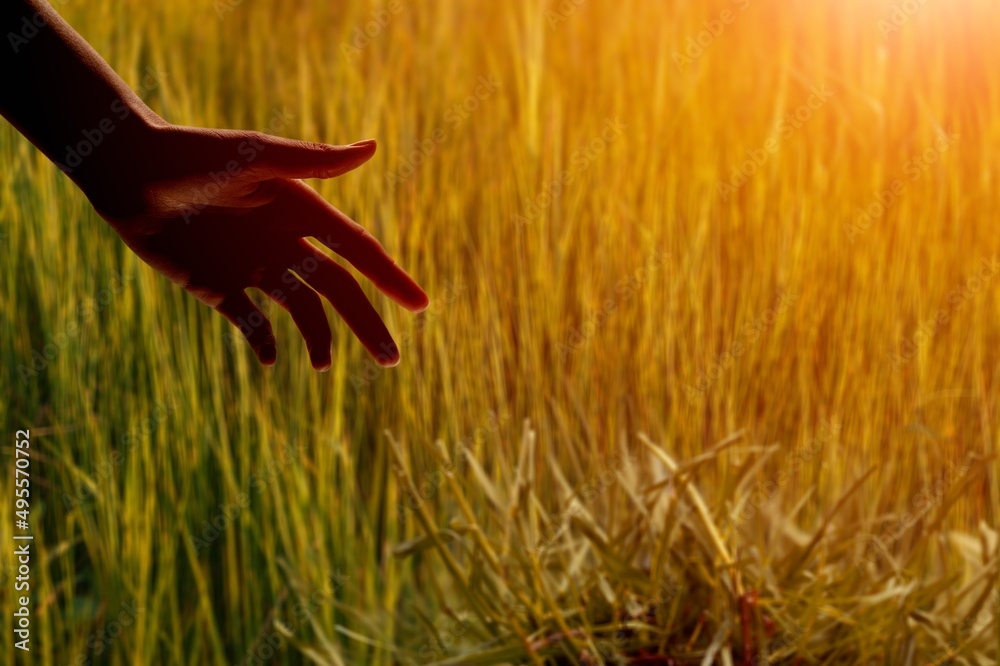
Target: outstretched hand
218 211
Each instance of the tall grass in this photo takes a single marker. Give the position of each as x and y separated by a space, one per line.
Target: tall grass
643 418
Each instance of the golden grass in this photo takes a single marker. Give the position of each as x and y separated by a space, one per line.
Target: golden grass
686 432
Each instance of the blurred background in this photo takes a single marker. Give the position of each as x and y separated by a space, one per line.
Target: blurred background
708 371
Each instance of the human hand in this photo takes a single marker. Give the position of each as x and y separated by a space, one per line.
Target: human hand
218 211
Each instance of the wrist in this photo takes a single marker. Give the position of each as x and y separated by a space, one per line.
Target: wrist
106 140
109 159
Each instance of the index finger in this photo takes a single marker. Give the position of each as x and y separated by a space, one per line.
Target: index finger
353 242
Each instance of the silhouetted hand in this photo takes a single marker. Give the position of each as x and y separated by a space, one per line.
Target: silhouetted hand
216 211
220 211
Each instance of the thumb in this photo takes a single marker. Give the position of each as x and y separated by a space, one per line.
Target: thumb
285 158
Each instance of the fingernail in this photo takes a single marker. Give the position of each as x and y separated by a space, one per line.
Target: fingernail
268 355
320 358
422 301
362 144
390 356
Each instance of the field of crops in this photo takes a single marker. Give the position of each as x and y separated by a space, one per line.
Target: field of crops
710 371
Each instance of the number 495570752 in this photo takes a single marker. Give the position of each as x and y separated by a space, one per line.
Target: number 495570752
22 463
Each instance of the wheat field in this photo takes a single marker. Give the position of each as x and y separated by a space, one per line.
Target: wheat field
707 375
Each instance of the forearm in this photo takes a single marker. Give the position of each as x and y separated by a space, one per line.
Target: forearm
59 93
